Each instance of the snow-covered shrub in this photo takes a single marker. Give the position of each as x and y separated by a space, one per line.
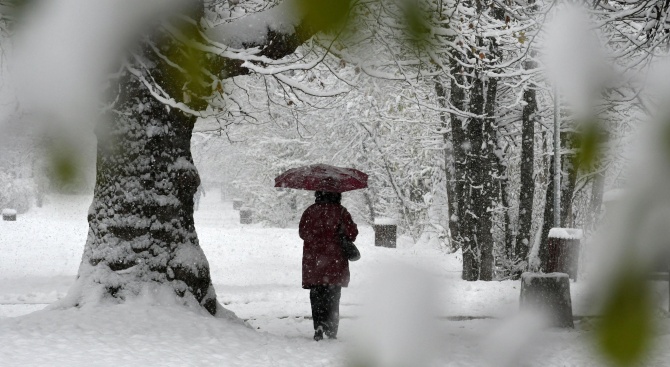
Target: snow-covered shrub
17 194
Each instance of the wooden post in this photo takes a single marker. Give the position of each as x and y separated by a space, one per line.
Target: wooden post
9 215
549 294
246 215
563 245
385 232
237 204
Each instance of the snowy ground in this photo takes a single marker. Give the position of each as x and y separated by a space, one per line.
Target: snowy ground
256 272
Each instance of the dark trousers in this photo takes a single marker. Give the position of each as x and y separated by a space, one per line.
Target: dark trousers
325 300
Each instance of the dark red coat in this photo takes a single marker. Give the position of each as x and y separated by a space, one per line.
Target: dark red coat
322 259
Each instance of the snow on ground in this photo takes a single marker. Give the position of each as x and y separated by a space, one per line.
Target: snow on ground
256 273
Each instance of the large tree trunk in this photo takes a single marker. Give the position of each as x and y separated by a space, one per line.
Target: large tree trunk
142 238
141 230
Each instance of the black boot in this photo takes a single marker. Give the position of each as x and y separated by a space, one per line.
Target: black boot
318 334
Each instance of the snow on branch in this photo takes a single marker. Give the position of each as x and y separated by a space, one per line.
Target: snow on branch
276 31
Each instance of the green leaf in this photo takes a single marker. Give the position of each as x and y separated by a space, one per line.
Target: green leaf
625 330
64 168
416 23
63 164
522 37
325 15
589 140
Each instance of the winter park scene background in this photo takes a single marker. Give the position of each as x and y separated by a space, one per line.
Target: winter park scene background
513 210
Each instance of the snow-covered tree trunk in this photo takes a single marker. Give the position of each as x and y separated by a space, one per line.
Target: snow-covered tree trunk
462 142
449 160
597 191
142 235
547 217
142 238
477 173
141 228
491 187
526 166
568 177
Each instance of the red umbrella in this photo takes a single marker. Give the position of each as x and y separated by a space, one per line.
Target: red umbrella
322 177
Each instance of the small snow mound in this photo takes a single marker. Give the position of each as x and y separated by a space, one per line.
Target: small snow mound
566 233
382 221
8 212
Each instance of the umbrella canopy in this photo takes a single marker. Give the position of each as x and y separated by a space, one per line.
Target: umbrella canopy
322 177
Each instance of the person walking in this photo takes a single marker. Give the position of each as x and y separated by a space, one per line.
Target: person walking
325 267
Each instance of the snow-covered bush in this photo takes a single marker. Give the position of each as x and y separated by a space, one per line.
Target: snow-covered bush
17 194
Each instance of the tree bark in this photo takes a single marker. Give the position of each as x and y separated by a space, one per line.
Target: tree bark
527 188
569 173
472 175
141 229
568 179
597 191
547 219
449 169
491 184
458 142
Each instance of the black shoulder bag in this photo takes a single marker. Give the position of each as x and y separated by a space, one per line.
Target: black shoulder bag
348 248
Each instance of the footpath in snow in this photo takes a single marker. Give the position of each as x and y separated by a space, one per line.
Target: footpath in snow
255 270
256 273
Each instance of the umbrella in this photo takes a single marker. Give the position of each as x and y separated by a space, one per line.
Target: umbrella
322 177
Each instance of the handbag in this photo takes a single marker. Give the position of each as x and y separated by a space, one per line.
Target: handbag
348 247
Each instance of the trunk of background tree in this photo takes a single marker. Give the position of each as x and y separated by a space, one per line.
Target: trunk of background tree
507 228
568 179
475 167
474 226
458 184
548 217
597 191
597 185
527 188
463 220
491 186
449 169
569 173
471 177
